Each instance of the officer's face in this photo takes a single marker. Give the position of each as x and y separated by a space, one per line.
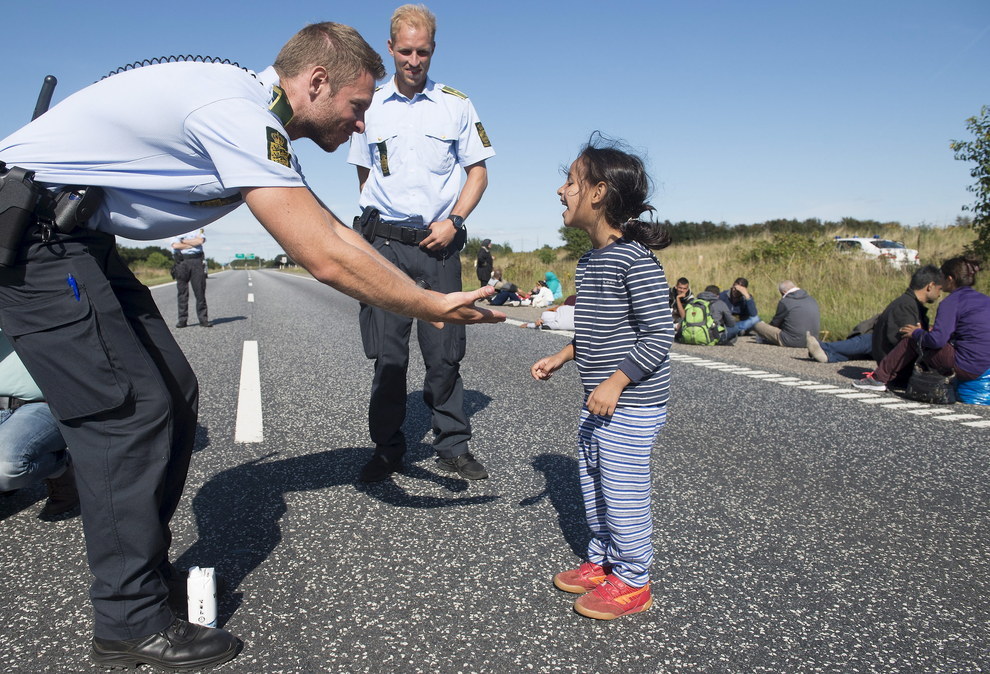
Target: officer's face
342 113
412 50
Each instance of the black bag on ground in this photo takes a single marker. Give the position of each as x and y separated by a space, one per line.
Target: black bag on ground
929 386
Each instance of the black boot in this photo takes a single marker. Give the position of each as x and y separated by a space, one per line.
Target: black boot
180 646
62 495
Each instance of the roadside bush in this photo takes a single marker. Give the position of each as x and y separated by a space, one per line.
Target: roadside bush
785 248
158 260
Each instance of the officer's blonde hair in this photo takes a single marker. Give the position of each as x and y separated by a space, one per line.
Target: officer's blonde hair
338 48
416 16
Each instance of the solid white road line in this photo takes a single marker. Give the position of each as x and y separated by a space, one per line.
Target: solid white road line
249 426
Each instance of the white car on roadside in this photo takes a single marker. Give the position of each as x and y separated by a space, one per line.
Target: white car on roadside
893 252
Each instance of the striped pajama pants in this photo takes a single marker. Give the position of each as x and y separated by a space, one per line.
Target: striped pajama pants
614 467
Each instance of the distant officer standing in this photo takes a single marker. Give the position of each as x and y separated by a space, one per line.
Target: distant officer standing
190 269
419 135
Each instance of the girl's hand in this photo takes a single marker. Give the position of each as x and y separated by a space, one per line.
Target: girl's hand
544 367
603 399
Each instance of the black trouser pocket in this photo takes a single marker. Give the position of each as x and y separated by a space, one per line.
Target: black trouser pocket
58 338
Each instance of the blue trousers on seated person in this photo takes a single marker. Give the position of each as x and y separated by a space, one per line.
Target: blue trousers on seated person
31 447
503 296
859 347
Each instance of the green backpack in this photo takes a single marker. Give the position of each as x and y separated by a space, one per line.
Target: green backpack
698 326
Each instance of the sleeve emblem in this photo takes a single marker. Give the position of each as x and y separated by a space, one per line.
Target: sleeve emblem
483 135
278 147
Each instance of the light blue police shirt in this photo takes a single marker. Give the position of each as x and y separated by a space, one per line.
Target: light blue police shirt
171 144
415 148
195 250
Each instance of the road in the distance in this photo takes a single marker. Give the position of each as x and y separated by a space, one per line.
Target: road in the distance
796 530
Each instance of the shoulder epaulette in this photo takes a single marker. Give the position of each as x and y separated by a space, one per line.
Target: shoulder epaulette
453 92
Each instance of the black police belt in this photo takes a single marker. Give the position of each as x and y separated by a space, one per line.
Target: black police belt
12 403
191 256
395 232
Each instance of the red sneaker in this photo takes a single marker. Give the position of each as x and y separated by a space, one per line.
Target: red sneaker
613 598
586 577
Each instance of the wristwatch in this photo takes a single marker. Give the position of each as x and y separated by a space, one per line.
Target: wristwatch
457 220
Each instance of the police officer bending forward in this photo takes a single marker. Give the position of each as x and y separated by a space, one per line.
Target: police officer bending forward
419 134
174 147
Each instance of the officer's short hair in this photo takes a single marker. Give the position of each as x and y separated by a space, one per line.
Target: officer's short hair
417 16
338 48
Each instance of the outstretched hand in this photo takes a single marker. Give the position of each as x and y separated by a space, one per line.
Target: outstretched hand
461 308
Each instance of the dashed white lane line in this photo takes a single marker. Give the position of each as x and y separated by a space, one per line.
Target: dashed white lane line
909 407
250 297
249 426
957 417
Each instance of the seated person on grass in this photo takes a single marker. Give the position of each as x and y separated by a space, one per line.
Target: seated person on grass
875 338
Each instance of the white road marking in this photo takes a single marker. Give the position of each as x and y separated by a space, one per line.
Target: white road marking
250 297
886 402
249 427
957 417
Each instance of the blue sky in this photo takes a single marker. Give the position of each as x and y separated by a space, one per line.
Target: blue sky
745 111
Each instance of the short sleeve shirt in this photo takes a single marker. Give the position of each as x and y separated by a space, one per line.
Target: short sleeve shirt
171 144
195 234
415 150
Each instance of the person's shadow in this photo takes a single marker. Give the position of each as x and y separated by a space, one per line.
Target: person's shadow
563 488
238 510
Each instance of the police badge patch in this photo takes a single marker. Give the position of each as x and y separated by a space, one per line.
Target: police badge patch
278 147
483 135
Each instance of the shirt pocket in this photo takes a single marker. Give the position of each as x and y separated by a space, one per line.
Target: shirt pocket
383 151
440 148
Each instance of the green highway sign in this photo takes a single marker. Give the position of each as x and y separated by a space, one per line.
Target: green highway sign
240 256
250 256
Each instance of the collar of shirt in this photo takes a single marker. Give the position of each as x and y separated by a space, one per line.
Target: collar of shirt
278 104
430 91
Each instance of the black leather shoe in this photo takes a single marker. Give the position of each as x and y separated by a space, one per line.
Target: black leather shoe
380 467
182 646
206 324
63 498
464 465
181 324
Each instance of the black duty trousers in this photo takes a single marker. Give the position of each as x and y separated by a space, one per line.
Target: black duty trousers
191 272
126 400
385 336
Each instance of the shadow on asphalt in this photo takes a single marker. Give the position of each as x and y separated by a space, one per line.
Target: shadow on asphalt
563 488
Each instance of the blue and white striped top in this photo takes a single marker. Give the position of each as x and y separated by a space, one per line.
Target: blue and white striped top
622 321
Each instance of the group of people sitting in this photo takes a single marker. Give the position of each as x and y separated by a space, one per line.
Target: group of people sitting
546 291
715 316
956 344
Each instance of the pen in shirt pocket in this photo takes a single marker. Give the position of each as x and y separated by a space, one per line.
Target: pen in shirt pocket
71 280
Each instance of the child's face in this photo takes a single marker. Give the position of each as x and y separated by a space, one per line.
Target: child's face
575 195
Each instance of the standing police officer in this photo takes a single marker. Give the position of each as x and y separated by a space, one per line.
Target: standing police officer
171 145
418 136
190 269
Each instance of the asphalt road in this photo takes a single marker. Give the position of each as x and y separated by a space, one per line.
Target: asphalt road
797 529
